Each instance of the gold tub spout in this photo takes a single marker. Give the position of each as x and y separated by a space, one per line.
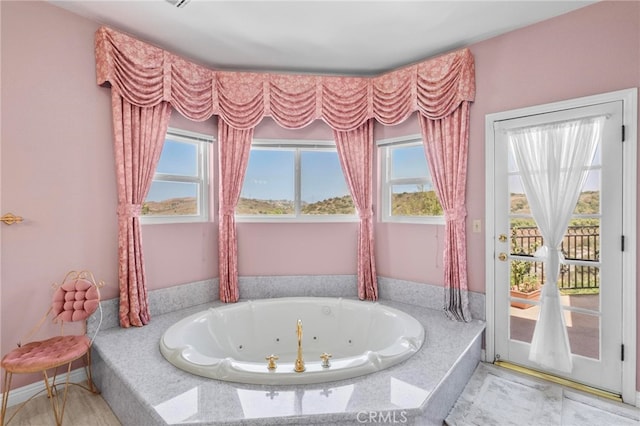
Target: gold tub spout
299 366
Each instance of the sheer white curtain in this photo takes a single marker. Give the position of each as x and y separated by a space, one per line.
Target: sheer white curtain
553 161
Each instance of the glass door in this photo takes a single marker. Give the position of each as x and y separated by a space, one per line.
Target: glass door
590 281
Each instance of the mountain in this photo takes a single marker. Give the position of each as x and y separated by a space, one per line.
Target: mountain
403 204
423 203
252 206
170 207
336 205
588 203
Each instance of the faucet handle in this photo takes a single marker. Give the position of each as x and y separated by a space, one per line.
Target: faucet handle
325 359
271 364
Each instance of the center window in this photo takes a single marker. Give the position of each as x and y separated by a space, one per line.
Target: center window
298 180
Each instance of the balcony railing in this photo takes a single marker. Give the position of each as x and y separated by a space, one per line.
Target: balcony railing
580 243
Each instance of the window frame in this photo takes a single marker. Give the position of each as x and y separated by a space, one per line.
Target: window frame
203 145
386 183
297 146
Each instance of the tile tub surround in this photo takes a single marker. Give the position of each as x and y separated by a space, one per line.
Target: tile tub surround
161 301
143 388
183 296
426 295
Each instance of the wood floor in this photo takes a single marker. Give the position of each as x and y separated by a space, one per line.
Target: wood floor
83 409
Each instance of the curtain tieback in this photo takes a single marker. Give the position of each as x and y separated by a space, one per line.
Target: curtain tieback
227 211
458 213
545 252
366 215
129 210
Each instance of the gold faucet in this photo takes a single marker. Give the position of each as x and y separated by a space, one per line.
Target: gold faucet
299 366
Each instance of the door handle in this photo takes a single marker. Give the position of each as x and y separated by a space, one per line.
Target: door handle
502 257
502 238
10 219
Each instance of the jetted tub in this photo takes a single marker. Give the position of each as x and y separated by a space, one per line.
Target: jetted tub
232 342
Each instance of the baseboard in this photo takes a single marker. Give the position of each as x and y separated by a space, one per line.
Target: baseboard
638 399
19 395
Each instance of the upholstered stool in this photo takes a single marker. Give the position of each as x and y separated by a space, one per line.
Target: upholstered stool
75 299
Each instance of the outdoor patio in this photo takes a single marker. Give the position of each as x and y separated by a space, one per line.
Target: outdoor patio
583 329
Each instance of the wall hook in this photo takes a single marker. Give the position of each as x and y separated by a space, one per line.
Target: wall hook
10 219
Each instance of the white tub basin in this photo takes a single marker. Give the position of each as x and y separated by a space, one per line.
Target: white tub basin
231 342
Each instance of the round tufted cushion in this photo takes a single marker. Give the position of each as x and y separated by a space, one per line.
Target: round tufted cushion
38 356
75 300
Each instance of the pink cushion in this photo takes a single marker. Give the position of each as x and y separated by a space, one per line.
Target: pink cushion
38 356
75 300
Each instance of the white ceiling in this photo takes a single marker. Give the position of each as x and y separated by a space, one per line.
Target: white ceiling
321 37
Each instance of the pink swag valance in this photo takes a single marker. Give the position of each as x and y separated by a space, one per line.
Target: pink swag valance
144 78
146 75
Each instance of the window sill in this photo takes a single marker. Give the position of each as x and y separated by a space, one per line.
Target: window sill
292 219
164 220
416 221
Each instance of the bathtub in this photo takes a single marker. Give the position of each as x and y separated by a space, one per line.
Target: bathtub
232 342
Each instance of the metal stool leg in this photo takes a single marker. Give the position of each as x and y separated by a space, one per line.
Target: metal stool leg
54 396
5 395
92 386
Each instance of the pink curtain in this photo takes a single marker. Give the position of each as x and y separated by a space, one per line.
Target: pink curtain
139 134
233 147
355 149
440 89
445 143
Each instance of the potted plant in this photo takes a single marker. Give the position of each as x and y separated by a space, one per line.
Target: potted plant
528 287
524 284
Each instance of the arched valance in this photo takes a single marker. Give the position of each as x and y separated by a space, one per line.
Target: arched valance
145 80
146 75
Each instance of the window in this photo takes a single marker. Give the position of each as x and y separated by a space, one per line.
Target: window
294 180
407 193
180 188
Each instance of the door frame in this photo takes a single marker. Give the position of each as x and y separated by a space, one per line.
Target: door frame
629 98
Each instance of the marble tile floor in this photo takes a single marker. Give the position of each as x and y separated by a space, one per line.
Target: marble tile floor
497 396
142 388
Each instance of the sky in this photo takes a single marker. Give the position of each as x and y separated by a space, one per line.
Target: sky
409 162
177 158
271 175
591 184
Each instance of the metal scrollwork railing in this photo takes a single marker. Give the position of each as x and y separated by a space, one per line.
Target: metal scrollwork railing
580 243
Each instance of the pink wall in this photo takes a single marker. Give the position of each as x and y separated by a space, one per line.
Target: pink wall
593 50
57 165
192 254
301 248
407 251
57 162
